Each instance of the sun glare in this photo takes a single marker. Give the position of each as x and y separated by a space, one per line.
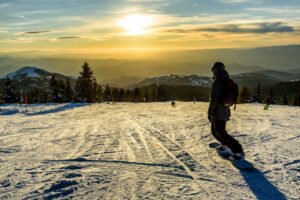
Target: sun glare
136 24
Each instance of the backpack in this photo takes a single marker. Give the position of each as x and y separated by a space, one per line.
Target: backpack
230 93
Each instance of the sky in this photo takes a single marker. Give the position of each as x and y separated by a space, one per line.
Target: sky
87 27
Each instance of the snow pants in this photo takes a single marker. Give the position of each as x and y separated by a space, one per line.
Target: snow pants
218 129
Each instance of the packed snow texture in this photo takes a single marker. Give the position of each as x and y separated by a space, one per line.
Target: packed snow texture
144 151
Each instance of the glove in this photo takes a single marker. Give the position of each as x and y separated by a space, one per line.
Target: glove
210 117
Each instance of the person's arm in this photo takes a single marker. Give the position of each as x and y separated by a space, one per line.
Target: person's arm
214 98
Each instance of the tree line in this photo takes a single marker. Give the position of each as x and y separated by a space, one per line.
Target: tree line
87 90
255 95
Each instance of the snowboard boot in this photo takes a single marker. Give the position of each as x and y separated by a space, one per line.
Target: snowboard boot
237 156
224 150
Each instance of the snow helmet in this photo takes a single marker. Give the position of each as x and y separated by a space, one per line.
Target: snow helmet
218 66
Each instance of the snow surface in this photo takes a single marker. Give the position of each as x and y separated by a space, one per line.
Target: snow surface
144 151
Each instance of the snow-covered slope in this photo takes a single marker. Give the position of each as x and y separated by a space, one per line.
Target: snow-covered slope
27 78
144 151
28 72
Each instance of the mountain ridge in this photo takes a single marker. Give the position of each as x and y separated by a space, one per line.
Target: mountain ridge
29 77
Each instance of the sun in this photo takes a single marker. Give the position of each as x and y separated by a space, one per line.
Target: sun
136 24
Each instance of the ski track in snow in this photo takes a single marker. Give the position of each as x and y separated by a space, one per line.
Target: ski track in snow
144 151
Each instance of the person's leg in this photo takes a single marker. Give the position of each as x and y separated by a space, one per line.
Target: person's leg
225 138
214 132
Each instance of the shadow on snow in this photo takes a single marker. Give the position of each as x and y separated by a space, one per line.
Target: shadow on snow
27 110
83 160
59 109
260 186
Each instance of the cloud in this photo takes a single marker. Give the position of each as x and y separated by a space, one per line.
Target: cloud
3 30
236 1
22 40
256 28
144 0
4 5
36 32
291 11
68 37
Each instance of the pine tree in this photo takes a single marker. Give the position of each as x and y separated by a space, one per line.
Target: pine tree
271 95
84 89
100 94
122 95
61 91
136 93
257 96
127 95
115 94
54 89
297 100
162 94
10 93
69 93
107 93
244 95
285 100
95 88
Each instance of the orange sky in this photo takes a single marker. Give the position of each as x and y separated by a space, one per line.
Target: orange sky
99 27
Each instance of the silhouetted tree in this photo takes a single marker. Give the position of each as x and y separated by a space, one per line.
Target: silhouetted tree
161 93
114 94
107 93
127 95
95 88
285 99
69 93
257 96
84 89
244 95
54 89
297 100
271 93
61 91
136 93
37 95
122 95
10 93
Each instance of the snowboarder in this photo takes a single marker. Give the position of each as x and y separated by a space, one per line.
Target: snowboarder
268 101
219 113
173 104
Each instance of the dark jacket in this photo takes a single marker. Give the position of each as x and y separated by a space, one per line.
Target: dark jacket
216 109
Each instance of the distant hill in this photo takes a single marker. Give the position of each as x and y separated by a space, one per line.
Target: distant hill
122 81
265 77
163 63
251 79
174 80
236 68
294 71
30 77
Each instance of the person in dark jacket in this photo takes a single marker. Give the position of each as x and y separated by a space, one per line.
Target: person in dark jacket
218 114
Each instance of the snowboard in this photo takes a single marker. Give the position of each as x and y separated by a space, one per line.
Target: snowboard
241 164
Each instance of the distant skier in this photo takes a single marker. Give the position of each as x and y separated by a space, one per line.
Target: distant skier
268 101
223 94
173 104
